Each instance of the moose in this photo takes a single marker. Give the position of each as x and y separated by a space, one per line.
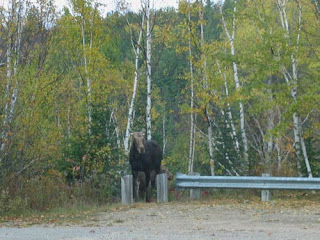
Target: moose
145 156
153 176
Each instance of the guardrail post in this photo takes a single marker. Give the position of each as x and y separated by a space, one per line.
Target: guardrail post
265 194
127 190
195 193
162 188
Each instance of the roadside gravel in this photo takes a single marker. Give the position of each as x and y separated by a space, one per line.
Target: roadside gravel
205 220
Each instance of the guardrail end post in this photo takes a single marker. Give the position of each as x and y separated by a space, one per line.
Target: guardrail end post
162 188
265 194
127 190
195 193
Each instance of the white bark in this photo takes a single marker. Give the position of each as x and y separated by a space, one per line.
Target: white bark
4 133
136 49
214 146
210 139
164 137
192 117
69 123
14 26
229 113
269 144
292 82
205 87
88 80
117 132
270 126
237 82
226 155
149 90
279 158
317 8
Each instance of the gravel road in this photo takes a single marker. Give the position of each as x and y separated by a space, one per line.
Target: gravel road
205 220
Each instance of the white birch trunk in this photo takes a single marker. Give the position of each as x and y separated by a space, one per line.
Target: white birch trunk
226 155
317 8
88 80
270 126
229 113
205 87
192 120
214 146
69 123
269 144
117 132
237 83
292 81
279 158
149 90
164 137
136 49
212 161
4 132
15 17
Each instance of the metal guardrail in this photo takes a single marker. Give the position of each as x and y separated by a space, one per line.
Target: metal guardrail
247 182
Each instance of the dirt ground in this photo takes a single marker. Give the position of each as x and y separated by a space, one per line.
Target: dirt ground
203 220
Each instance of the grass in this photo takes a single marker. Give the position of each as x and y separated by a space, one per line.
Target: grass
57 216
84 214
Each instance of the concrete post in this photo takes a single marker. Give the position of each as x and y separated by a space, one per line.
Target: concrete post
162 188
195 194
127 190
265 194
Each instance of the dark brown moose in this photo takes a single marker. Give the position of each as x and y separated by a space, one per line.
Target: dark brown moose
153 176
145 156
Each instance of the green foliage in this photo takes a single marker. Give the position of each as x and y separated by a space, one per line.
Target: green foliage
50 152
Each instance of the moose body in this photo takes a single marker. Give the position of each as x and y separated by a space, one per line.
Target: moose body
153 176
145 156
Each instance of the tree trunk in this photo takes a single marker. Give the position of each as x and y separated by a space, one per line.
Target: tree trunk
136 49
192 117
149 90
229 114
13 47
210 143
205 87
117 132
237 83
292 82
164 137
268 146
88 80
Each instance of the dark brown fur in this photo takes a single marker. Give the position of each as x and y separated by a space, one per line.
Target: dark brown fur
153 176
145 156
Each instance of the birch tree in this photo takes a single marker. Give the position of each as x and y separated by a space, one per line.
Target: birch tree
205 87
292 79
149 68
233 133
136 48
231 38
192 115
85 15
14 27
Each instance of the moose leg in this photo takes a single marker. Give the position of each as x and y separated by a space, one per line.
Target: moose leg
148 187
135 186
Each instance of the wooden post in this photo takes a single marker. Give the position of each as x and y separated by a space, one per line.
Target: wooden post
265 194
127 190
162 188
195 194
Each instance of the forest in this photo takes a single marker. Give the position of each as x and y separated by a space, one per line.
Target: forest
226 88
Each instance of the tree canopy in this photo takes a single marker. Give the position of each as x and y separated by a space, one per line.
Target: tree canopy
250 70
